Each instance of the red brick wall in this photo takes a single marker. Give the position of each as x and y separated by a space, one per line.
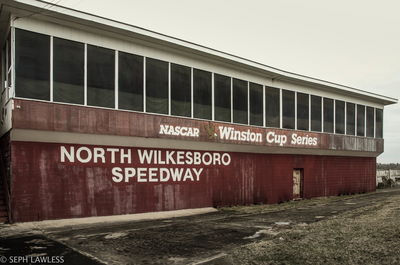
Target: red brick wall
44 188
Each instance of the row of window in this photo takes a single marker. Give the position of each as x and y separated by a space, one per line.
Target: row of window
155 86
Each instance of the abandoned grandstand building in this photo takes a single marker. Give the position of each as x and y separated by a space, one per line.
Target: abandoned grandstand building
103 118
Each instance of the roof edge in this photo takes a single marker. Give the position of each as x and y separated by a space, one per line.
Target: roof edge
50 8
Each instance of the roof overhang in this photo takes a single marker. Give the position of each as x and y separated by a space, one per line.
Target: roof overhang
74 18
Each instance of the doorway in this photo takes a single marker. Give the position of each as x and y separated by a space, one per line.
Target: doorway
298 174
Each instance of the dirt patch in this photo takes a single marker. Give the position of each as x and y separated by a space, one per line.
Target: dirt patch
325 230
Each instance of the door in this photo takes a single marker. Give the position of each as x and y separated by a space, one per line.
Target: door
297 183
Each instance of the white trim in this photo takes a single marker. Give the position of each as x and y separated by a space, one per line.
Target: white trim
309 112
116 80
345 117
280 109
212 97
355 120
12 64
85 78
322 115
51 69
248 102
232 118
264 108
191 93
295 110
374 122
365 121
144 84
334 115
169 88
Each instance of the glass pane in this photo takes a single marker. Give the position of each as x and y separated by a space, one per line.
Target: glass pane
222 97
130 81
288 109
379 123
32 65
328 115
240 101
302 111
272 107
350 119
202 89
370 122
100 77
156 86
181 90
256 104
68 71
360 120
339 116
316 116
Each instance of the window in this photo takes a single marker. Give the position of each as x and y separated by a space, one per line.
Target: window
370 122
68 71
256 104
100 77
32 65
156 86
316 123
222 97
379 123
272 107
360 120
302 111
328 115
181 90
240 111
130 81
339 116
350 119
288 109
202 90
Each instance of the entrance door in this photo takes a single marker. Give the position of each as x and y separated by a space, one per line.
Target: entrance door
297 183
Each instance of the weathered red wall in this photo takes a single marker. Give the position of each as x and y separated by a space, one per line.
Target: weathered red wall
44 188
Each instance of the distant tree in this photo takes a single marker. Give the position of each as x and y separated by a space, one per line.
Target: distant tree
383 166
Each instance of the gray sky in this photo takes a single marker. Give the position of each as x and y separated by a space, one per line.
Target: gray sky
354 43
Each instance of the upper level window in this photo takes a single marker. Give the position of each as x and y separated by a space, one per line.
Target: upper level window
130 81
181 90
350 119
32 65
339 116
68 71
316 110
222 97
302 111
370 122
272 107
156 86
256 104
360 120
379 123
100 77
328 115
240 101
288 109
202 92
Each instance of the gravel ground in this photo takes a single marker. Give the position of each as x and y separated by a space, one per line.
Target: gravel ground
356 229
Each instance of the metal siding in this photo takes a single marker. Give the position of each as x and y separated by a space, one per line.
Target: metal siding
44 188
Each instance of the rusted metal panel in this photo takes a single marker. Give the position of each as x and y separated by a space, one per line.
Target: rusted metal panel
79 119
45 187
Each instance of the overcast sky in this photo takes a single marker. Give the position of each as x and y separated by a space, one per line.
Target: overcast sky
354 43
